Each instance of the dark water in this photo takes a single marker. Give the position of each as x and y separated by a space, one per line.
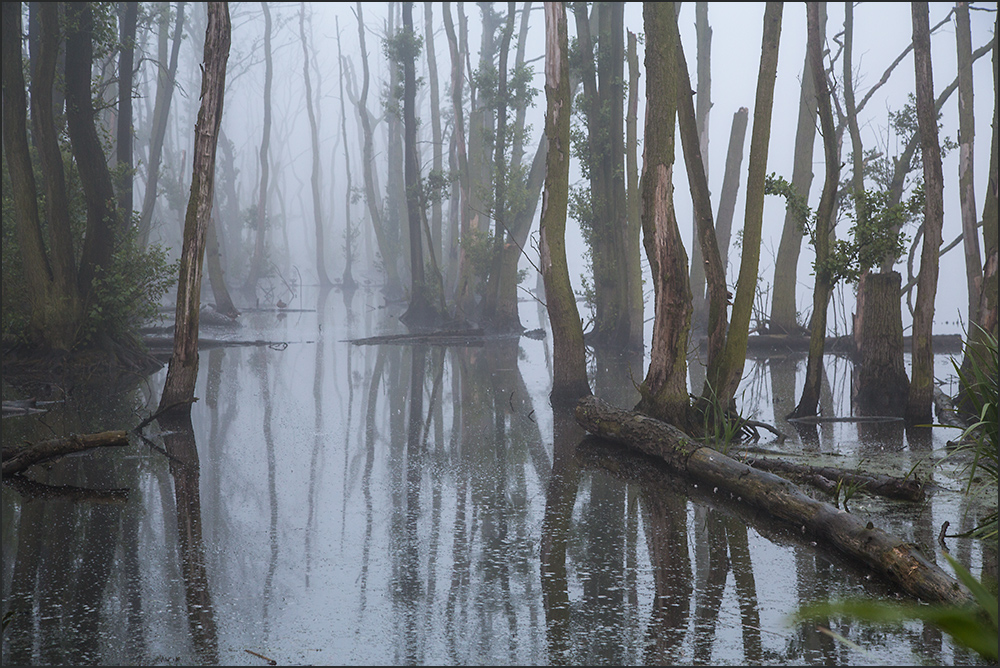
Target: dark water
338 504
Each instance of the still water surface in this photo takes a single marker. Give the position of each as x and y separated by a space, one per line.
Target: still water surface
330 503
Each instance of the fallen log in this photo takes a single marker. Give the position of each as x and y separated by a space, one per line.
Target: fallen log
17 459
906 489
890 557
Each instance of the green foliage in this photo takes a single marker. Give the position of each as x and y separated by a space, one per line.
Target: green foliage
873 235
973 626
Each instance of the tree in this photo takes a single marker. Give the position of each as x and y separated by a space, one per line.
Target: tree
166 78
703 30
348 279
664 390
182 372
922 370
260 221
725 378
127 26
966 135
633 202
569 365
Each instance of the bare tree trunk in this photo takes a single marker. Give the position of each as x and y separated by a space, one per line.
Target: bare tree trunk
664 390
182 373
880 385
922 370
966 136
324 279
730 184
167 75
726 378
347 281
437 148
126 35
824 220
569 372
703 105
260 224
784 316
633 202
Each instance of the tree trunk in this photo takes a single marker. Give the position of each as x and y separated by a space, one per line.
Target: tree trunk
731 184
166 77
784 316
880 385
103 226
922 370
893 559
569 366
393 287
633 203
966 136
437 147
664 390
324 279
216 275
823 222
726 377
182 372
260 223
712 270
126 36
703 105
347 281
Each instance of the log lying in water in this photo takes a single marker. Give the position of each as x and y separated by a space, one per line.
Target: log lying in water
895 560
907 489
16 460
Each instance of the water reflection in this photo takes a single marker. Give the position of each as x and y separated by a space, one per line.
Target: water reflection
327 503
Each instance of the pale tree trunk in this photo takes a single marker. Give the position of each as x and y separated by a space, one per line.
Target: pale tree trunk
664 390
633 201
784 316
395 214
730 184
966 135
824 220
703 105
166 77
569 367
324 279
126 35
437 149
922 370
726 377
257 263
348 279
182 373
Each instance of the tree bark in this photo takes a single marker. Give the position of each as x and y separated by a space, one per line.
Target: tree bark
633 203
103 226
182 372
725 378
922 370
809 399
880 384
966 136
703 105
16 460
166 77
893 559
664 389
569 365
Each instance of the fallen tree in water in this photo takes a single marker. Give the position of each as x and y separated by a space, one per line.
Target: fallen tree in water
906 489
894 559
17 459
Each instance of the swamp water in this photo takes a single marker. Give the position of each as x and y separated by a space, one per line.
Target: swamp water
331 503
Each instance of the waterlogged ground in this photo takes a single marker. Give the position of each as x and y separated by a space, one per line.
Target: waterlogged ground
333 504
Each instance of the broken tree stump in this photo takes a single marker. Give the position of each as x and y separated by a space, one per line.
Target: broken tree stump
895 560
16 459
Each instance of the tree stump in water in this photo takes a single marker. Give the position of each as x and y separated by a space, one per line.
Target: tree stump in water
880 385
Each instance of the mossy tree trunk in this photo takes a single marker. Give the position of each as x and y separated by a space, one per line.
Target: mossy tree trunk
809 399
922 371
664 389
182 373
725 377
569 365
880 383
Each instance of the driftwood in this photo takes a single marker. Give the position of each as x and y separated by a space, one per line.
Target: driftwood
16 460
890 557
907 489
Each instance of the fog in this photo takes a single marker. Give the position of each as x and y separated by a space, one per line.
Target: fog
882 31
